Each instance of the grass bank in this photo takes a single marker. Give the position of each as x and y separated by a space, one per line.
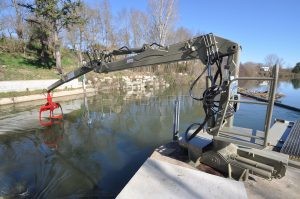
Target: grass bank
16 66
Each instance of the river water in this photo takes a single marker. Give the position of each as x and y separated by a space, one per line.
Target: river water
102 141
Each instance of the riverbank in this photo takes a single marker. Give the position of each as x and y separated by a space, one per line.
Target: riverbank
27 98
20 90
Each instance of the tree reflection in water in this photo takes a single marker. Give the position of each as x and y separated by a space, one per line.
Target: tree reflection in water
296 83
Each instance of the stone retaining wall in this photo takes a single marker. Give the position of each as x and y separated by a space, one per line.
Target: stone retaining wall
30 85
134 82
135 85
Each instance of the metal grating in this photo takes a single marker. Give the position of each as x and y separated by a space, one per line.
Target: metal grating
292 145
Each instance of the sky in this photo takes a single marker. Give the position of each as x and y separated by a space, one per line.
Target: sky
261 27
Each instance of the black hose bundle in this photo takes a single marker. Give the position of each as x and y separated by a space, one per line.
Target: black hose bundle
209 104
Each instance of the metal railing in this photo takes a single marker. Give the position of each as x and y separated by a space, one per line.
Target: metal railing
176 119
270 101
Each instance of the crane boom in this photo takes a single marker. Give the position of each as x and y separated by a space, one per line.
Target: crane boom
206 48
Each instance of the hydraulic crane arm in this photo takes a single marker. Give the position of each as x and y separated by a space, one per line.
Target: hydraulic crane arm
207 48
219 100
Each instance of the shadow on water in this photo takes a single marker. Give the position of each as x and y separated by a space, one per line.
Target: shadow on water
35 166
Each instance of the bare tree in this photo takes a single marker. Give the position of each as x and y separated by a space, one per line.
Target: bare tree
93 30
273 59
108 35
99 28
139 25
180 34
79 34
249 69
3 7
162 16
12 19
75 38
124 32
6 18
18 19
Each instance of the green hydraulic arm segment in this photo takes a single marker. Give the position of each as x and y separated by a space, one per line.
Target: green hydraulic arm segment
206 48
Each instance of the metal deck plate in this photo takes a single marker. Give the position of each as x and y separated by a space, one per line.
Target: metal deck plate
292 144
242 136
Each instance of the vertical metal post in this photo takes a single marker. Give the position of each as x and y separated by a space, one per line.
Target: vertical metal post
83 84
178 115
236 62
82 62
176 119
272 93
86 106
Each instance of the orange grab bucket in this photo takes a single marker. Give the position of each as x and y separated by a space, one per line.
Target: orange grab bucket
50 106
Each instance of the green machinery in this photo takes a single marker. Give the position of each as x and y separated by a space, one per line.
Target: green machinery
226 148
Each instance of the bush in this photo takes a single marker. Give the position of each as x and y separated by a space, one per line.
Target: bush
296 69
11 45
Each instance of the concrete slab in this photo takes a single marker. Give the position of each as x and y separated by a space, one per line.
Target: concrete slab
158 179
286 187
158 156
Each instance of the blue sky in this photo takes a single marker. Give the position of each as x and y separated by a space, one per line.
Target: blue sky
262 27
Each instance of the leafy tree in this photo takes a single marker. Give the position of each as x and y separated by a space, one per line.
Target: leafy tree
53 16
296 69
39 42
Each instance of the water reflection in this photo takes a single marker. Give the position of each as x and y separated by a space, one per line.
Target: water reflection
94 151
296 83
287 87
100 145
53 135
253 116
